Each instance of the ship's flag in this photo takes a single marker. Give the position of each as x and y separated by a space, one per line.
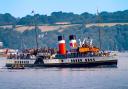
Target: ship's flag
32 11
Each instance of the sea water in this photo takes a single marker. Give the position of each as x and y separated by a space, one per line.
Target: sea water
67 78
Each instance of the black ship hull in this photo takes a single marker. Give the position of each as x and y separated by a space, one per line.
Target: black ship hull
111 63
108 63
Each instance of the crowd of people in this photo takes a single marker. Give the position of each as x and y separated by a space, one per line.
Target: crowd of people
31 53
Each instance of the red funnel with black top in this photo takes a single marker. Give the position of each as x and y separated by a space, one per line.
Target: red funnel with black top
61 45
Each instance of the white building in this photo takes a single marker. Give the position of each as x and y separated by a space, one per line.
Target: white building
1 44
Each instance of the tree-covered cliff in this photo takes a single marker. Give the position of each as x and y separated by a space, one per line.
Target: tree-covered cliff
112 38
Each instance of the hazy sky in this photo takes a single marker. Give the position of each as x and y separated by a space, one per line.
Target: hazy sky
21 8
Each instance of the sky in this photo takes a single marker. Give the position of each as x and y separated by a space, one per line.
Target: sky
20 8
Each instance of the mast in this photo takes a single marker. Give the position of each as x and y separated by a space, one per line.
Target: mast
99 30
35 28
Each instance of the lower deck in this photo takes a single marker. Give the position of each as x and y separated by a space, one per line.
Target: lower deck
71 62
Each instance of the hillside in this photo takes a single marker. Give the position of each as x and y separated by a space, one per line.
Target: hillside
55 17
45 28
19 33
113 38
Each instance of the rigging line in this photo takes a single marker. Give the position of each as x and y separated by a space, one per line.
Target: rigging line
35 24
99 30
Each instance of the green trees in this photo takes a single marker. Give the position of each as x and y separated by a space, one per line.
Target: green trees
10 38
105 17
7 19
113 38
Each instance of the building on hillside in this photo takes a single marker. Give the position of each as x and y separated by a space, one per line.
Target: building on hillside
1 44
62 23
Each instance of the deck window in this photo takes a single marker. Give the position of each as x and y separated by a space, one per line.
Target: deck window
88 60
80 60
85 60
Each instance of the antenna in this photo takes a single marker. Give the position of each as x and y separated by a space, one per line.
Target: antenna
84 41
91 41
80 43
